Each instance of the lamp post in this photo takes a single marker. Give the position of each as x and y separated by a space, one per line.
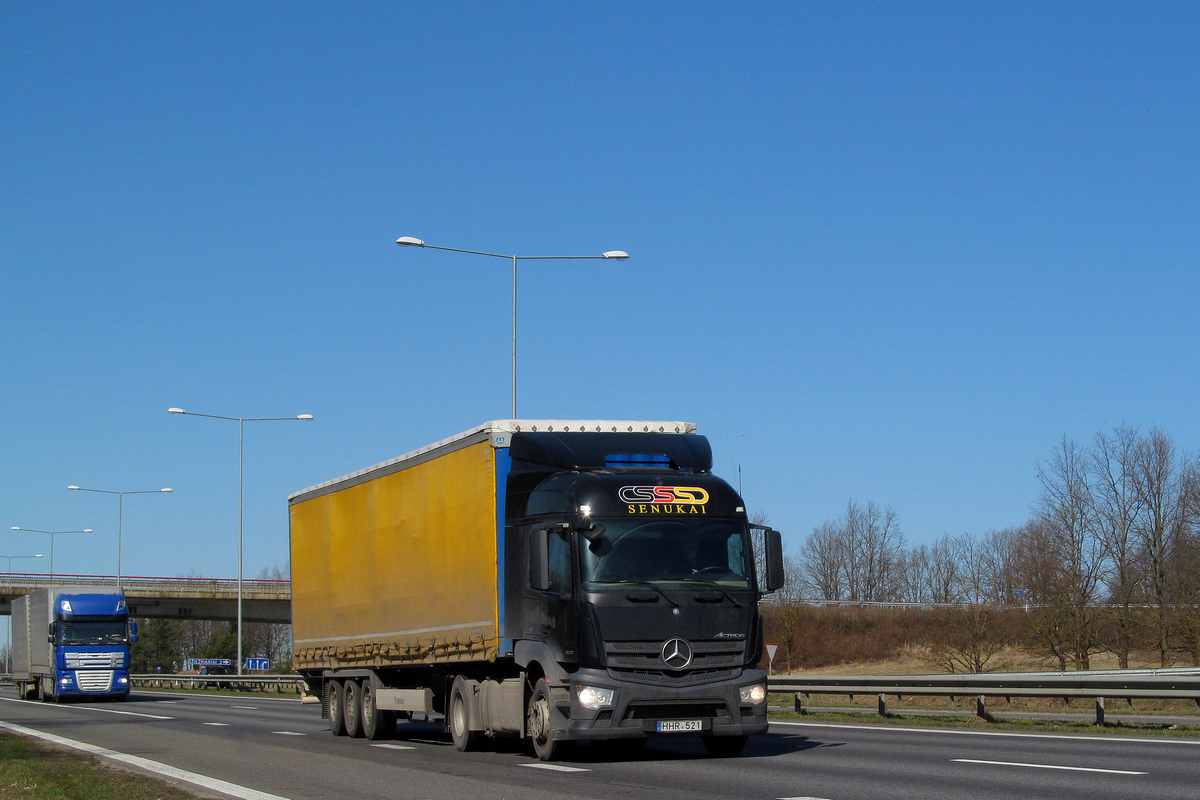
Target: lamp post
52 535
241 421
120 513
615 255
8 652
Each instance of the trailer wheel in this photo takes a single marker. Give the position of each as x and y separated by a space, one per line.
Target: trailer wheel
460 719
538 724
353 712
376 724
337 724
725 746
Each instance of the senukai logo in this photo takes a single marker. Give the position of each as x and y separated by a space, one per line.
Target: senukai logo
665 508
669 495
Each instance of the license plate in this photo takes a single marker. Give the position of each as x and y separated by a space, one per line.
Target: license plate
680 725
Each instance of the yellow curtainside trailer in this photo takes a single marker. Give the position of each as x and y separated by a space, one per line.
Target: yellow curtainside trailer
554 580
399 564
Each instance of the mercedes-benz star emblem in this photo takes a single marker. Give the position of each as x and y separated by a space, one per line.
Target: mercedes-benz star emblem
677 653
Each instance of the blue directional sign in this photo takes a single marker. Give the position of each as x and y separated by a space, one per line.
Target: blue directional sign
258 663
192 663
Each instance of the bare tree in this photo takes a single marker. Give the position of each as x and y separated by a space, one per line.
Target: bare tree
1076 552
1159 489
874 544
823 557
1117 508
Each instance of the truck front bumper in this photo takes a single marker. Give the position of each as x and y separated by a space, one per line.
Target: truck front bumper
91 683
639 709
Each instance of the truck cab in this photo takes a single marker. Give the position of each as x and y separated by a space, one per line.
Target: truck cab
641 604
86 650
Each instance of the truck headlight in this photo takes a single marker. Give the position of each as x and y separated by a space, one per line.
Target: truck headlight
753 694
593 697
64 681
122 680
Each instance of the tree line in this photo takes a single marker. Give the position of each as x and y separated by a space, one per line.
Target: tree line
1109 561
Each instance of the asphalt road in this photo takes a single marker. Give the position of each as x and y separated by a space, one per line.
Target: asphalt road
284 748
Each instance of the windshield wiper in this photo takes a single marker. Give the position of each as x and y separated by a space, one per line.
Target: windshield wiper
713 585
643 583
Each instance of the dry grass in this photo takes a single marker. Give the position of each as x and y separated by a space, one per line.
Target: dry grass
34 770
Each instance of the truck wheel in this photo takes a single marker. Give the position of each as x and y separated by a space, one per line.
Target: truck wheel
538 724
725 746
376 724
337 724
460 719
352 714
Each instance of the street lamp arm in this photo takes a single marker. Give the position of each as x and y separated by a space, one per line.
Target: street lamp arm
35 530
409 241
106 491
238 419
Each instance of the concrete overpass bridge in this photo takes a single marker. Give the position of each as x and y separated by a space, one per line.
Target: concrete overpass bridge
173 598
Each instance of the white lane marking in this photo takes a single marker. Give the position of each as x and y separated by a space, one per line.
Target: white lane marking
1048 766
556 767
74 707
960 732
168 702
394 746
802 798
216 724
249 708
216 784
289 733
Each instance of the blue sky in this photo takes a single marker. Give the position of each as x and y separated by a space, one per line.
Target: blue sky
889 252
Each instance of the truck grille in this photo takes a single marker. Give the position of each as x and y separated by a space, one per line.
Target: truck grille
94 660
642 662
94 680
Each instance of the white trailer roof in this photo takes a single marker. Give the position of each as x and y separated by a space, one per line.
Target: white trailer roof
498 431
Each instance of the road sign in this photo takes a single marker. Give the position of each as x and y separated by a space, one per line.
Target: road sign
258 663
771 648
192 663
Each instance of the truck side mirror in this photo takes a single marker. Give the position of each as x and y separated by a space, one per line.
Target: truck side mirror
50 633
133 637
539 559
774 579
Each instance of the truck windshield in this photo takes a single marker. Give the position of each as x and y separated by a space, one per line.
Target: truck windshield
81 632
666 551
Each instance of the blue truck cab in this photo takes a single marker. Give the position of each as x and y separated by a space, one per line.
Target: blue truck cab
86 638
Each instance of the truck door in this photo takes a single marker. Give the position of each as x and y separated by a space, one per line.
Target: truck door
550 614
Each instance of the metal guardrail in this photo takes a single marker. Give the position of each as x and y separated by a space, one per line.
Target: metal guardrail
281 683
1182 683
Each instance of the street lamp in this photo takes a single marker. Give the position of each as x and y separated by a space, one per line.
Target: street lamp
8 569
120 513
241 421
614 255
52 535
8 653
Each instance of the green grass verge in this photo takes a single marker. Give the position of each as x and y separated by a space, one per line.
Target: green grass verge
998 724
32 770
